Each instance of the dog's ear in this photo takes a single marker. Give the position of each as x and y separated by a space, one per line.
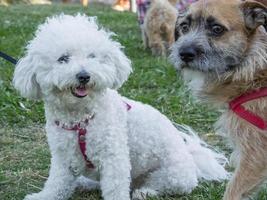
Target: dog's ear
123 68
24 79
255 14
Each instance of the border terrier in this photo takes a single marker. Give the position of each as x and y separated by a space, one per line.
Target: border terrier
159 25
221 50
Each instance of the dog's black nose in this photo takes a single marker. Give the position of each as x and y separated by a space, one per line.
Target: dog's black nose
187 54
83 77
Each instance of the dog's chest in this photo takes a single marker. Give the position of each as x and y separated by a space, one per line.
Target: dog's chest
67 144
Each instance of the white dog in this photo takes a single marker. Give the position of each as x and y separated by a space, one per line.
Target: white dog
92 131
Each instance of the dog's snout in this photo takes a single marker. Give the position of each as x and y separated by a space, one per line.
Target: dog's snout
188 54
83 77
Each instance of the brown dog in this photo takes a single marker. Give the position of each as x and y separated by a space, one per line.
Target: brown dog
221 49
159 25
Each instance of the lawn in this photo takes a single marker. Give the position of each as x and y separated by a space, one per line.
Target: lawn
24 155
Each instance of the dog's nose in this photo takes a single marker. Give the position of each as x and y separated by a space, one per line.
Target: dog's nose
187 54
83 77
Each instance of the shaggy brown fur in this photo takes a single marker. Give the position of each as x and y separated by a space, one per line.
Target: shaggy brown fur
159 25
246 42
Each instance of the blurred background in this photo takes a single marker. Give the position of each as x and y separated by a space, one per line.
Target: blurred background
8 2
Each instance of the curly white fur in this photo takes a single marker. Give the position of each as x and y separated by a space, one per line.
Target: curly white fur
123 145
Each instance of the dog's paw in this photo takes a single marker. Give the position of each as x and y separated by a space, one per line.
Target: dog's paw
84 183
143 193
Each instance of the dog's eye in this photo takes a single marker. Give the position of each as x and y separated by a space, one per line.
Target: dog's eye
91 55
184 27
64 59
217 30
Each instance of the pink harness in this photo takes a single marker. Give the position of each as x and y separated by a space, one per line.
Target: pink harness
80 128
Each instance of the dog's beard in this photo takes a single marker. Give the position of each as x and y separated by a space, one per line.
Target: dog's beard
195 80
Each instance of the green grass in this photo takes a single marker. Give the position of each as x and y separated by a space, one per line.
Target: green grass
24 155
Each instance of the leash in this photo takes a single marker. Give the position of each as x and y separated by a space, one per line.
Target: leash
237 107
8 58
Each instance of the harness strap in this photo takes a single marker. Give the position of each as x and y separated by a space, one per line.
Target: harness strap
82 143
128 106
81 139
237 107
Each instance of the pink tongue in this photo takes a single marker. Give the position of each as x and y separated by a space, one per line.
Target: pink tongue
81 91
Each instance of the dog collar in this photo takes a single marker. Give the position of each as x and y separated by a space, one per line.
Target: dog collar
237 107
80 128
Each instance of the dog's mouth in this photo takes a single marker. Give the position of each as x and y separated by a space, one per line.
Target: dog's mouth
210 69
80 91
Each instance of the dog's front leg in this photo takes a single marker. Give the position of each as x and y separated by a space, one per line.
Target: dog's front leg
115 179
60 184
115 169
251 169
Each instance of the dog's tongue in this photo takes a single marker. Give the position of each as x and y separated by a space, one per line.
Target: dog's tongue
81 91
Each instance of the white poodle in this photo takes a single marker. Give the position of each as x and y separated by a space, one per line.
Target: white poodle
92 131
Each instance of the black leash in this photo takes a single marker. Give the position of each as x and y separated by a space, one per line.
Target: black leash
8 58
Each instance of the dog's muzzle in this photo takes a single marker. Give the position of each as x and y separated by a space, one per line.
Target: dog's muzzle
81 90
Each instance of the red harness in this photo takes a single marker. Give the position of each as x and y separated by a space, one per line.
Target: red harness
236 106
80 128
